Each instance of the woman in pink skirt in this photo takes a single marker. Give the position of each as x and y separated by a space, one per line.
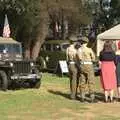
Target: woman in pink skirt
108 70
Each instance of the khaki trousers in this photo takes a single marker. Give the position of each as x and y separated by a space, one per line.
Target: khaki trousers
86 80
73 79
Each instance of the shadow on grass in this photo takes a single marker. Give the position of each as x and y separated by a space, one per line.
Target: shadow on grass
18 86
98 96
66 95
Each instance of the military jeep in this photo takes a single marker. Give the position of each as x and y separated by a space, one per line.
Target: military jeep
52 51
13 68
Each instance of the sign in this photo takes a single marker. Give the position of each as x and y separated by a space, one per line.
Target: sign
63 66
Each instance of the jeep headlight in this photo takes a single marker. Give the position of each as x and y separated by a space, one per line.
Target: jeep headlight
31 64
11 64
47 58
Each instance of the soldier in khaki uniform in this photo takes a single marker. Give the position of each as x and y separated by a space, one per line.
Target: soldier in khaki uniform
86 57
71 60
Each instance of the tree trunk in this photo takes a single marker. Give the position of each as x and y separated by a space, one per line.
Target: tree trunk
27 50
40 39
36 49
27 54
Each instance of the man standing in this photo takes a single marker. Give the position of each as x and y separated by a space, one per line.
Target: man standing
71 60
86 57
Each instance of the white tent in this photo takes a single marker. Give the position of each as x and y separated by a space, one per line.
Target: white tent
111 34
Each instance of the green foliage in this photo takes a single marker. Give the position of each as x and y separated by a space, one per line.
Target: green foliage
109 17
105 14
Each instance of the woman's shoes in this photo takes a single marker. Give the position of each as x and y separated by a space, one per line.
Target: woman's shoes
110 101
106 101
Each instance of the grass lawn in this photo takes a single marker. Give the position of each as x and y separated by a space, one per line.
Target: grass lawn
51 102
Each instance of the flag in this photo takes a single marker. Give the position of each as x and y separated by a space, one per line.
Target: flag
6 29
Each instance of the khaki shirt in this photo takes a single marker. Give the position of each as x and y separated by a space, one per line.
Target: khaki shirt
85 54
71 53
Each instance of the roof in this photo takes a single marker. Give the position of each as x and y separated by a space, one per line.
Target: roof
8 40
111 34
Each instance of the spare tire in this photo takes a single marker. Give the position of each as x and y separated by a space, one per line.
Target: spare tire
3 80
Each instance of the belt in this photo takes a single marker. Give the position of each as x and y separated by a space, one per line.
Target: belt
87 62
71 62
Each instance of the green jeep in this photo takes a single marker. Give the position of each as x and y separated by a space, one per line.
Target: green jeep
52 51
14 68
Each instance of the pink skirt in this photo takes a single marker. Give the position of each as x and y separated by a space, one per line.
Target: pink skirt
108 75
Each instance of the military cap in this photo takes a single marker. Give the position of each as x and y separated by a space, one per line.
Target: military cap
84 39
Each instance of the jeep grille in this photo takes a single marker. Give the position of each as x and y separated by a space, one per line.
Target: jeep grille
22 67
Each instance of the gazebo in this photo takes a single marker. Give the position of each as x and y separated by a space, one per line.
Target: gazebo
111 34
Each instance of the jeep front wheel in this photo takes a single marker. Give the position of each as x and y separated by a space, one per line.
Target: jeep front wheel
37 84
3 80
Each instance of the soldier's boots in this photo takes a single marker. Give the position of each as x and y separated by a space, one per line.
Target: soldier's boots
82 97
72 97
92 97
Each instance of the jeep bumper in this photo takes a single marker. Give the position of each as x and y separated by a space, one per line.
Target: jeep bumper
29 76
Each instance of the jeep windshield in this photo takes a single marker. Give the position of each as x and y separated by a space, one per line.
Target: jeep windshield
10 48
10 51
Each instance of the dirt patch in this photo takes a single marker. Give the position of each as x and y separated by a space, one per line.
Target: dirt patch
103 109
86 115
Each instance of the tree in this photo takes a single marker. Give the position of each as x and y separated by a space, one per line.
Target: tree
73 12
30 19
108 14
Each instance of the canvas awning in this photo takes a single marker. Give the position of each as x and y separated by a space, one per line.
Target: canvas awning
111 34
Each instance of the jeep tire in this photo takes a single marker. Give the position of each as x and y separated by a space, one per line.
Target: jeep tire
3 80
37 84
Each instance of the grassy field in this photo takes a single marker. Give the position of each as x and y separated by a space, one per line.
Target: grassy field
51 102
